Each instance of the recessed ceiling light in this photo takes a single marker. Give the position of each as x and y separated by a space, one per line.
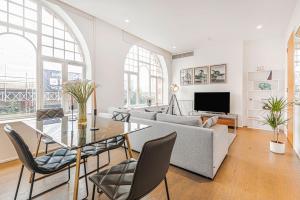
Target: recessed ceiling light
259 26
127 21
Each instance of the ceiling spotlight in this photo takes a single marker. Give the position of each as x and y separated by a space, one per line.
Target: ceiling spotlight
259 26
126 20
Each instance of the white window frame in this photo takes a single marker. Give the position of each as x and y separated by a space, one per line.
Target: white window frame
38 46
129 73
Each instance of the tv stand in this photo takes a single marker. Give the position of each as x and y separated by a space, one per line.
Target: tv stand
231 120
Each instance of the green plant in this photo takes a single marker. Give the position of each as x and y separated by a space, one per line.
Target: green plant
276 116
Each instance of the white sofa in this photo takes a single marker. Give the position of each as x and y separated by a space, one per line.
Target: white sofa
197 149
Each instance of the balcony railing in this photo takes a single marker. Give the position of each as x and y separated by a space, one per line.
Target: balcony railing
18 96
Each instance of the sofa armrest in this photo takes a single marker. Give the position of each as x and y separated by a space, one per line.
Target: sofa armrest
220 145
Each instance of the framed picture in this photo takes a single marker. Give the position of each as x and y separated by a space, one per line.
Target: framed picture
218 73
186 76
201 75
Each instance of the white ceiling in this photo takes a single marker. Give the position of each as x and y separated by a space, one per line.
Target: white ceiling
188 23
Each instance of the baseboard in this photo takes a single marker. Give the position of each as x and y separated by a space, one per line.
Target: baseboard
8 160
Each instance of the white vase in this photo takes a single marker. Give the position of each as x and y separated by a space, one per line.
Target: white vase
277 147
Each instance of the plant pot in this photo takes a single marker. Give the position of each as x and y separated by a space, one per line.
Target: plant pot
277 147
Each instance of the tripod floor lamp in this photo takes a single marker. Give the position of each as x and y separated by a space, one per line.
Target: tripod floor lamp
173 101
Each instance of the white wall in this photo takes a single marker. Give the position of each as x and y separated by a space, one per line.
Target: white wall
108 46
228 52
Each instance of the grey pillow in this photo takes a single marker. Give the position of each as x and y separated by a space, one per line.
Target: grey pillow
185 120
143 114
210 122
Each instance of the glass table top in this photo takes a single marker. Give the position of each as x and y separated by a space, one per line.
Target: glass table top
68 134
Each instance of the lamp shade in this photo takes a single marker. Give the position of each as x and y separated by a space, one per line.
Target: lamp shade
174 88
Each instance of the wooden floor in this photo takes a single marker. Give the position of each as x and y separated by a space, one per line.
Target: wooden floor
249 172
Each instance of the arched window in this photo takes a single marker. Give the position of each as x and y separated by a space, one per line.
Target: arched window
57 56
143 77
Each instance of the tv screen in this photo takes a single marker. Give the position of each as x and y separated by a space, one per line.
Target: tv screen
212 101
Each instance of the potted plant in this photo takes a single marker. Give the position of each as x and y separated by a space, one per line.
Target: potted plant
276 118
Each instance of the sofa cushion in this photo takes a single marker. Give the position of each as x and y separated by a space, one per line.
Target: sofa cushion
143 114
185 120
210 122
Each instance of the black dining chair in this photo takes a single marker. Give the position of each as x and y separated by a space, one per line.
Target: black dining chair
43 114
47 165
131 179
106 146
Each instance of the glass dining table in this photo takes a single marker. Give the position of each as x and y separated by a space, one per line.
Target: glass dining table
69 134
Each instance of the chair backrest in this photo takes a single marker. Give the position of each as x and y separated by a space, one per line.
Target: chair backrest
49 113
121 116
152 166
22 149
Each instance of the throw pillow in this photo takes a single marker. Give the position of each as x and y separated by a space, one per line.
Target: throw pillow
143 114
210 122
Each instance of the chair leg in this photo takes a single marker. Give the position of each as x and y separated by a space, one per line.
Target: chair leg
31 185
46 150
167 189
108 156
19 181
98 163
94 188
69 173
85 177
125 151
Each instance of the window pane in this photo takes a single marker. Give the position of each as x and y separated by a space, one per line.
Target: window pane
58 44
48 41
69 46
74 72
30 24
3 5
17 76
16 9
46 30
69 55
52 81
78 57
47 51
3 29
68 37
30 4
17 1
15 20
133 89
58 53
144 83
3 16
30 14
58 33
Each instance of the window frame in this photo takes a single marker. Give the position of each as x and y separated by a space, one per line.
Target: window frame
130 72
21 31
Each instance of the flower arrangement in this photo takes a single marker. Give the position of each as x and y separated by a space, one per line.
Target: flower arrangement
80 90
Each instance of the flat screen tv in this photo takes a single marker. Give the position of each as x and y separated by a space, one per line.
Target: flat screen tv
212 102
